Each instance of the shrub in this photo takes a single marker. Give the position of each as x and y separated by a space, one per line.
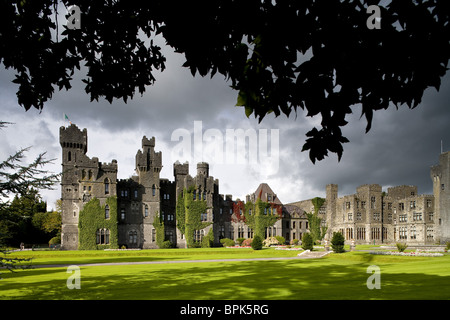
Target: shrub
257 243
226 242
307 241
166 244
281 240
448 246
294 242
196 244
401 246
240 240
55 240
270 241
247 242
337 242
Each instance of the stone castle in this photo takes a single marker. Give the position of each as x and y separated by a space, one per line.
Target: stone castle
369 216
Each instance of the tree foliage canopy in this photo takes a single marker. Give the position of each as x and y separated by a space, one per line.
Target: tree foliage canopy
319 56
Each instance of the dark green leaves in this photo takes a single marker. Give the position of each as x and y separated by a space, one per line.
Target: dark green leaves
279 56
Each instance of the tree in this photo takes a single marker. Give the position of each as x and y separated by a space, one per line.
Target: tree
17 179
307 241
324 56
23 216
337 242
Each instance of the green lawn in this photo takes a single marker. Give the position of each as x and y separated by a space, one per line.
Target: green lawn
336 276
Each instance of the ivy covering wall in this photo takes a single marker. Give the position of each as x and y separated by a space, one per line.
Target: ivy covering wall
159 227
315 223
258 216
189 213
92 218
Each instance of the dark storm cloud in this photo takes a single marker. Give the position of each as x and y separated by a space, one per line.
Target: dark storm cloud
175 100
399 149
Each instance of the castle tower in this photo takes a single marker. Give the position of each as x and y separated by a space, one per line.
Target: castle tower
180 172
148 168
73 142
440 174
203 169
82 179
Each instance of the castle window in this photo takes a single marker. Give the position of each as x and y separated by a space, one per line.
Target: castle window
431 216
132 235
69 156
249 233
194 196
442 185
122 213
413 232
146 211
204 195
83 174
102 236
154 190
106 186
90 174
417 216
106 212
135 194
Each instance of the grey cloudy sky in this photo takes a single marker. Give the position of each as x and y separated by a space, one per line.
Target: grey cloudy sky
399 149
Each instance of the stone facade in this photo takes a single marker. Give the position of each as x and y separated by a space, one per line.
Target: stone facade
371 216
368 216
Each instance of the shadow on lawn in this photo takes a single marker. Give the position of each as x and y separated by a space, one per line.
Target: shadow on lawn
272 280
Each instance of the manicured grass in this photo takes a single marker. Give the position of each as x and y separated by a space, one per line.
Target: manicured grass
99 256
336 276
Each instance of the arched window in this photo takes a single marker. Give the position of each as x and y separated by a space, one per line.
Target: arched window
90 175
83 174
106 186
146 211
106 212
154 190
